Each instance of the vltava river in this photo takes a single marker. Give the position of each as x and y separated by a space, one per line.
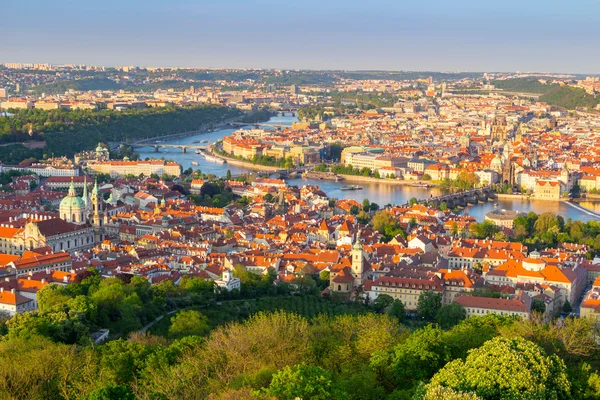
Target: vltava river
379 193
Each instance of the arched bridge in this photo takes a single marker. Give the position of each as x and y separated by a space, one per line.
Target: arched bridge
182 147
463 198
259 124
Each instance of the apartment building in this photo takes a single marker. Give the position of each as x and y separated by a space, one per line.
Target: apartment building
120 168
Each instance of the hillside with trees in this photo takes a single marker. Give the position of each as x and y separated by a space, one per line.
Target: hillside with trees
67 132
282 342
523 85
570 98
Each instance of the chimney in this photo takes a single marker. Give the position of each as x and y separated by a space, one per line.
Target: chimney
43 280
12 290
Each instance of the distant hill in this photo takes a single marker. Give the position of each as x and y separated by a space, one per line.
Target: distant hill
570 98
524 85
79 85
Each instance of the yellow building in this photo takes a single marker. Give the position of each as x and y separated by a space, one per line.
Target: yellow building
548 189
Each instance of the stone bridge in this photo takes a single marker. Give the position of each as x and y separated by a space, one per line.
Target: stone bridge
463 198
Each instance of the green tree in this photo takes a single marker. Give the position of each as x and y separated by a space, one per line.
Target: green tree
567 307
484 230
412 201
450 315
354 210
363 217
538 305
382 302
397 310
366 205
429 304
386 224
111 392
417 358
228 175
507 369
303 382
188 323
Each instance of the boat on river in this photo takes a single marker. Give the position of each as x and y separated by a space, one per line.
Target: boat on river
217 160
200 152
195 163
351 187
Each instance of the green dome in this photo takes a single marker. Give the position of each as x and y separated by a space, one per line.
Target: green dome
72 202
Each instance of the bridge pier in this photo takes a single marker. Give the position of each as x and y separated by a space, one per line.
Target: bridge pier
156 148
183 149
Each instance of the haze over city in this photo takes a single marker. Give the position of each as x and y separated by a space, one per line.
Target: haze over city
437 35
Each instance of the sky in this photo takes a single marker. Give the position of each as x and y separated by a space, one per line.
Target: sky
434 35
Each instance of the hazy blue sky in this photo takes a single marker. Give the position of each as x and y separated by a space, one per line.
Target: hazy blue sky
465 35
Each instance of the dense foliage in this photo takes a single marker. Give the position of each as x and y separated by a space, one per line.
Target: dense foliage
318 349
523 85
570 98
67 132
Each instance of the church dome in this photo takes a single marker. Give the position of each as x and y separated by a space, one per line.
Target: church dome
496 163
72 202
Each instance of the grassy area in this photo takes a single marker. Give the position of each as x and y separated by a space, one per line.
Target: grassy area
237 310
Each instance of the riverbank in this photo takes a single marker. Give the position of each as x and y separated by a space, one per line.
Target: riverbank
208 128
513 196
245 164
202 130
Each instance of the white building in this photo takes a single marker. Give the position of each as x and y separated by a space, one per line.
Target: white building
228 282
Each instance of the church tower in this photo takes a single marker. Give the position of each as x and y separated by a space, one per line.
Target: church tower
565 177
358 261
98 219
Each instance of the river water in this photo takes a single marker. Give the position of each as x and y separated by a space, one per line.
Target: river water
379 193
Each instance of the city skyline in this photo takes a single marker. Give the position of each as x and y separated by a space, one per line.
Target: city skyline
465 36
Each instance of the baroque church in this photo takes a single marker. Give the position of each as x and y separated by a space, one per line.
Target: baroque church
80 226
348 278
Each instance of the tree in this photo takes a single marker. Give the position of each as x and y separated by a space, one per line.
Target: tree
538 305
188 323
443 206
412 201
567 307
429 304
486 229
507 369
397 310
386 224
382 302
366 205
303 382
450 315
363 217
111 392
417 358
354 210
228 175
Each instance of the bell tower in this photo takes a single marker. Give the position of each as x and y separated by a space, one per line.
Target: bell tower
358 261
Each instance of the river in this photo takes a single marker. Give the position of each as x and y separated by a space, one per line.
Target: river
379 193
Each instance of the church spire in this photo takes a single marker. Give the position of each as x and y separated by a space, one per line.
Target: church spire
72 192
